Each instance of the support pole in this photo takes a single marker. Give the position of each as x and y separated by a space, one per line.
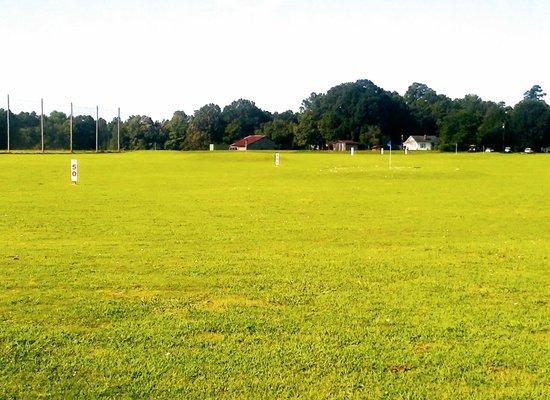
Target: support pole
118 132
71 130
96 129
8 123
42 124
503 133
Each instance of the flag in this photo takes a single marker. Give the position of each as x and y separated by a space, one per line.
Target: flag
389 145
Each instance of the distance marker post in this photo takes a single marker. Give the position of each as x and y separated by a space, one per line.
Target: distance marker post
74 171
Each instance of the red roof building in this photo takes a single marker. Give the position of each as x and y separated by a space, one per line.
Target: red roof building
253 142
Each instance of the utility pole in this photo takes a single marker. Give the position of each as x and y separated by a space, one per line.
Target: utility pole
8 123
118 132
96 128
42 123
71 129
503 133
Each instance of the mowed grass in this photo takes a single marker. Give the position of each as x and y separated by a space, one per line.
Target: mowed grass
217 275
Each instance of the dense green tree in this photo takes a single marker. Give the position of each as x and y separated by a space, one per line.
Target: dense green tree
205 126
195 139
346 111
289 116
427 108
530 124
461 124
56 131
176 131
242 118
306 131
25 131
3 129
535 93
141 133
111 135
492 130
83 132
371 136
281 131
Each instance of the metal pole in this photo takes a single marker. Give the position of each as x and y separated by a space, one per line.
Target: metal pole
503 133
42 123
71 130
118 131
96 128
8 123
456 148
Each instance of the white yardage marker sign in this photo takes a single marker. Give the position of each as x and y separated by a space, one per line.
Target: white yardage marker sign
74 171
277 159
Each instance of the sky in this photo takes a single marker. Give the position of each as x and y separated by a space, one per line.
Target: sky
156 57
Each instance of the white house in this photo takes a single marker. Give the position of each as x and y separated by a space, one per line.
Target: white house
425 142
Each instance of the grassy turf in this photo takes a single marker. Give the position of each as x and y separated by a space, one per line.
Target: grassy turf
217 275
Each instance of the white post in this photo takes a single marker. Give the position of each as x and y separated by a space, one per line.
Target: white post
8 123
71 130
352 152
277 159
74 171
211 147
390 157
118 131
42 123
382 150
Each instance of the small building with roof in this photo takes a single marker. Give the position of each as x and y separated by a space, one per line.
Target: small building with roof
253 142
345 145
421 142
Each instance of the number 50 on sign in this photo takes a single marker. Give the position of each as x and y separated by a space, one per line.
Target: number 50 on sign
74 171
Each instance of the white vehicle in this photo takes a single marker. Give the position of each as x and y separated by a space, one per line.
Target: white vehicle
529 150
507 149
488 150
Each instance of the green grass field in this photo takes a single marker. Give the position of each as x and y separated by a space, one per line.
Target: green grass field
217 275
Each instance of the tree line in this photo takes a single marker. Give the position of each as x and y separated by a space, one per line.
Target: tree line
358 111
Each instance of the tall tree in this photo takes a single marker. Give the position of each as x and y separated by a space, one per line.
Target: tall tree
205 126
56 131
83 132
3 129
535 93
141 133
428 109
176 130
492 130
242 117
281 131
530 124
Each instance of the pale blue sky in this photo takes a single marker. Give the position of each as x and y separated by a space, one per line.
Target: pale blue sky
156 57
